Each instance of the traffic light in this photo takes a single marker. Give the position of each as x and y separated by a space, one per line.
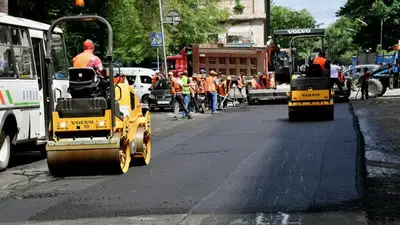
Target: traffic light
388 2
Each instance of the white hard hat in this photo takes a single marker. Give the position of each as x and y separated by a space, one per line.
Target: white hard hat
157 71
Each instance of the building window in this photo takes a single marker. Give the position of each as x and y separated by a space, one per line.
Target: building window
232 39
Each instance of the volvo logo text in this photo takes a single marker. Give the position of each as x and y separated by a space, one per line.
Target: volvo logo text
311 95
299 31
83 122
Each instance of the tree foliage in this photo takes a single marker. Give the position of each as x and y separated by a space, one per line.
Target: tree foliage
371 12
341 35
75 32
134 20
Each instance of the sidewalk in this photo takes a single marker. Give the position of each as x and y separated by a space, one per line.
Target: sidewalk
379 121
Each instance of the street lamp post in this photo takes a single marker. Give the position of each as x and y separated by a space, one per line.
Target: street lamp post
381 38
172 18
163 39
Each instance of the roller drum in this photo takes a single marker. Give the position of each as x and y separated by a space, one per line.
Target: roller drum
84 161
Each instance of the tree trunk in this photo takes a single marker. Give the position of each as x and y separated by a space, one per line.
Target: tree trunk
4 6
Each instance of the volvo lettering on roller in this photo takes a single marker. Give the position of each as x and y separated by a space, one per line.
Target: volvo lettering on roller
299 31
311 95
82 122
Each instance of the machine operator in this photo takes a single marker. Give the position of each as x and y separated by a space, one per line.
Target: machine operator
88 59
322 61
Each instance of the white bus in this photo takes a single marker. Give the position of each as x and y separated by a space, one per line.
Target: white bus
22 54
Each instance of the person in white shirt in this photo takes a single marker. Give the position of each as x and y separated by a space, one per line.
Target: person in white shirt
334 79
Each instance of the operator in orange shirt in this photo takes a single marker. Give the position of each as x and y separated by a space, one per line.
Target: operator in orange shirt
88 59
322 61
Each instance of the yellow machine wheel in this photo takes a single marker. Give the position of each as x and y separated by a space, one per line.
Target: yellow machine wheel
143 141
124 158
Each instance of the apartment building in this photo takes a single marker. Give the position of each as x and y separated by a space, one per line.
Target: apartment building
247 28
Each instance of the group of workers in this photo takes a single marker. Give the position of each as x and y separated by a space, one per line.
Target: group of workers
193 93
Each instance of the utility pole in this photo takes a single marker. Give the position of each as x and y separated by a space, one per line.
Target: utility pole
163 39
381 35
267 9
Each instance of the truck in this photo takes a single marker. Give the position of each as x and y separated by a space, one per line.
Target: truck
222 58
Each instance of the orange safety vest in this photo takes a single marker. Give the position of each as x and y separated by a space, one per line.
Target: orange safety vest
82 60
224 89
154 80
177 87
210 85
172 86
341 77
264 81
320 61
119 80
201 86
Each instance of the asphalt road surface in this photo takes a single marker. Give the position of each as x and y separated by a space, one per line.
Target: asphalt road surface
245 166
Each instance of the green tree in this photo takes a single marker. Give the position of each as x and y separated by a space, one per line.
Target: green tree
134 20
341 38
372 12
75 32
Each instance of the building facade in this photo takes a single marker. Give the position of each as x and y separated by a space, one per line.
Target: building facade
246 28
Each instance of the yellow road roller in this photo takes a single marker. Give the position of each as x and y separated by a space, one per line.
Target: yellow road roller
101 126
310 96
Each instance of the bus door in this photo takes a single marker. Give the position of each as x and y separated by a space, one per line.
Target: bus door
38 51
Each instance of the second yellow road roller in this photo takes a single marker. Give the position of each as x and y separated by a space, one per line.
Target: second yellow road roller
101 126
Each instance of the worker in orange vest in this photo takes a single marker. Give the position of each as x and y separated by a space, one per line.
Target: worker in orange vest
179 100
264 80
322 61
225 87
172 80
193 88
155 79
211 90
88 59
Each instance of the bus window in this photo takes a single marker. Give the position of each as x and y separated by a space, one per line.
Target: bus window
38 52
23 54
59 57
6 68
16 39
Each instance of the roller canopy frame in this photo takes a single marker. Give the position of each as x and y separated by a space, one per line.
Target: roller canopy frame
301 31
49 60
323 37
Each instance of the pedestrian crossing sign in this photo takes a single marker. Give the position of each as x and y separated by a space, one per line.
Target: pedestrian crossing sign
156 39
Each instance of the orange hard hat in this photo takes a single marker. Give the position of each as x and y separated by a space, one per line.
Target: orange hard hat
88 44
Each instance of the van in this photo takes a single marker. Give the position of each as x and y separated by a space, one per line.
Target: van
140 79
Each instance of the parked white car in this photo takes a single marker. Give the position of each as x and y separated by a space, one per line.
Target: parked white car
140 79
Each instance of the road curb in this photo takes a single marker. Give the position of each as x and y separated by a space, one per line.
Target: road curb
360 164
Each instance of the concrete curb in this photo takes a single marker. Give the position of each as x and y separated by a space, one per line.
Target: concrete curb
361 163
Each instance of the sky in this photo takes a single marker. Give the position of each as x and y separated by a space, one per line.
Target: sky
322 10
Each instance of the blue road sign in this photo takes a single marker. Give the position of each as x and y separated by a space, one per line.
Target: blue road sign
155 39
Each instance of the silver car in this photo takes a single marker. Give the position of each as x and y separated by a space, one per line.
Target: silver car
360 69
